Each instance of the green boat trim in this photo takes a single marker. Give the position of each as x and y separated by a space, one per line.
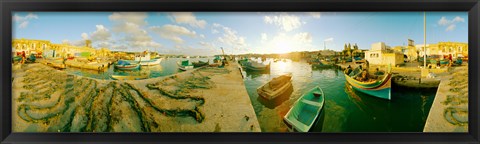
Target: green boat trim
305 111
378 88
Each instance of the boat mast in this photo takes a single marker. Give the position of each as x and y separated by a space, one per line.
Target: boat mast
324 46
424 40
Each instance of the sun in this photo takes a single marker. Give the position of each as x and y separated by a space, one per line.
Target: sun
281 47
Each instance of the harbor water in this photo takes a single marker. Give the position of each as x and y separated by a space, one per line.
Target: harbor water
346 110
167 67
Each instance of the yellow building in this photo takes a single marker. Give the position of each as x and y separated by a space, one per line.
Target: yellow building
455 49
48 49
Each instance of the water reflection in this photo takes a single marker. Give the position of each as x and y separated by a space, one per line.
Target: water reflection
346 110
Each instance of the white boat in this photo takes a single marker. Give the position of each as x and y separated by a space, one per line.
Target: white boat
145 59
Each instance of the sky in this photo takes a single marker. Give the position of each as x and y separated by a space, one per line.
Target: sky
205 33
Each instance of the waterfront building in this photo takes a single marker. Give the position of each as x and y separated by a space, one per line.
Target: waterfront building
455 49
47 49
348 51
381 54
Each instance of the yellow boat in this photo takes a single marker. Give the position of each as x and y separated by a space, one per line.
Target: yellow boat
130 77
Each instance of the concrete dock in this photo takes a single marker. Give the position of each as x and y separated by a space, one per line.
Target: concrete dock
207 99
449 111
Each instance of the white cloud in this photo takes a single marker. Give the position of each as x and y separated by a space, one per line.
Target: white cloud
451 27
173 32
101 34
84 36
450 24
188 18
74 43
132 26
264 37
315 14
25 20
216 25
329 39
285 21
214 31
231 40
137 18
303 37
283 43
24 24
202 36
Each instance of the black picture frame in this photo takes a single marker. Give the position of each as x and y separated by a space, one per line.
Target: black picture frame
9 6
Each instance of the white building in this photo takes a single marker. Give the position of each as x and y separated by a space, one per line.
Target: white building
380 54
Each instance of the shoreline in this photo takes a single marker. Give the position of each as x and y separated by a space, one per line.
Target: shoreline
193 101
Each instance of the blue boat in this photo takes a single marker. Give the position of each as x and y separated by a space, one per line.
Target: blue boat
378 87
125 65
302 116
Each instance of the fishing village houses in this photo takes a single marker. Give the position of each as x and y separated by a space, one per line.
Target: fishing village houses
46 49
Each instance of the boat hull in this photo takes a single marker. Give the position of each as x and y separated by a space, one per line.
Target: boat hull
273 95
200 64
127 67
266 92
121 77
149 62
380 89
257 68
184 67
305 112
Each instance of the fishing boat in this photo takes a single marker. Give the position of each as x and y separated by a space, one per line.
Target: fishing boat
149 62
305 111
125 65
444 62
255 66
184 65
379 87
145 59
243 62
276 87
129 77
200 63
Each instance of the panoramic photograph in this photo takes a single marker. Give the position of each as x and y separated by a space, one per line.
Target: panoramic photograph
239 72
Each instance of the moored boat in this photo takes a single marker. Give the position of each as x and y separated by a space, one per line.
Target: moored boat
145 59
130 77
276 87
200 63
379 87
124 65
255 66
184 65
305 111
150 62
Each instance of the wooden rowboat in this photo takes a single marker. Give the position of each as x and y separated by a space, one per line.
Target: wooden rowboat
276 87
305 111
200 63
379 87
